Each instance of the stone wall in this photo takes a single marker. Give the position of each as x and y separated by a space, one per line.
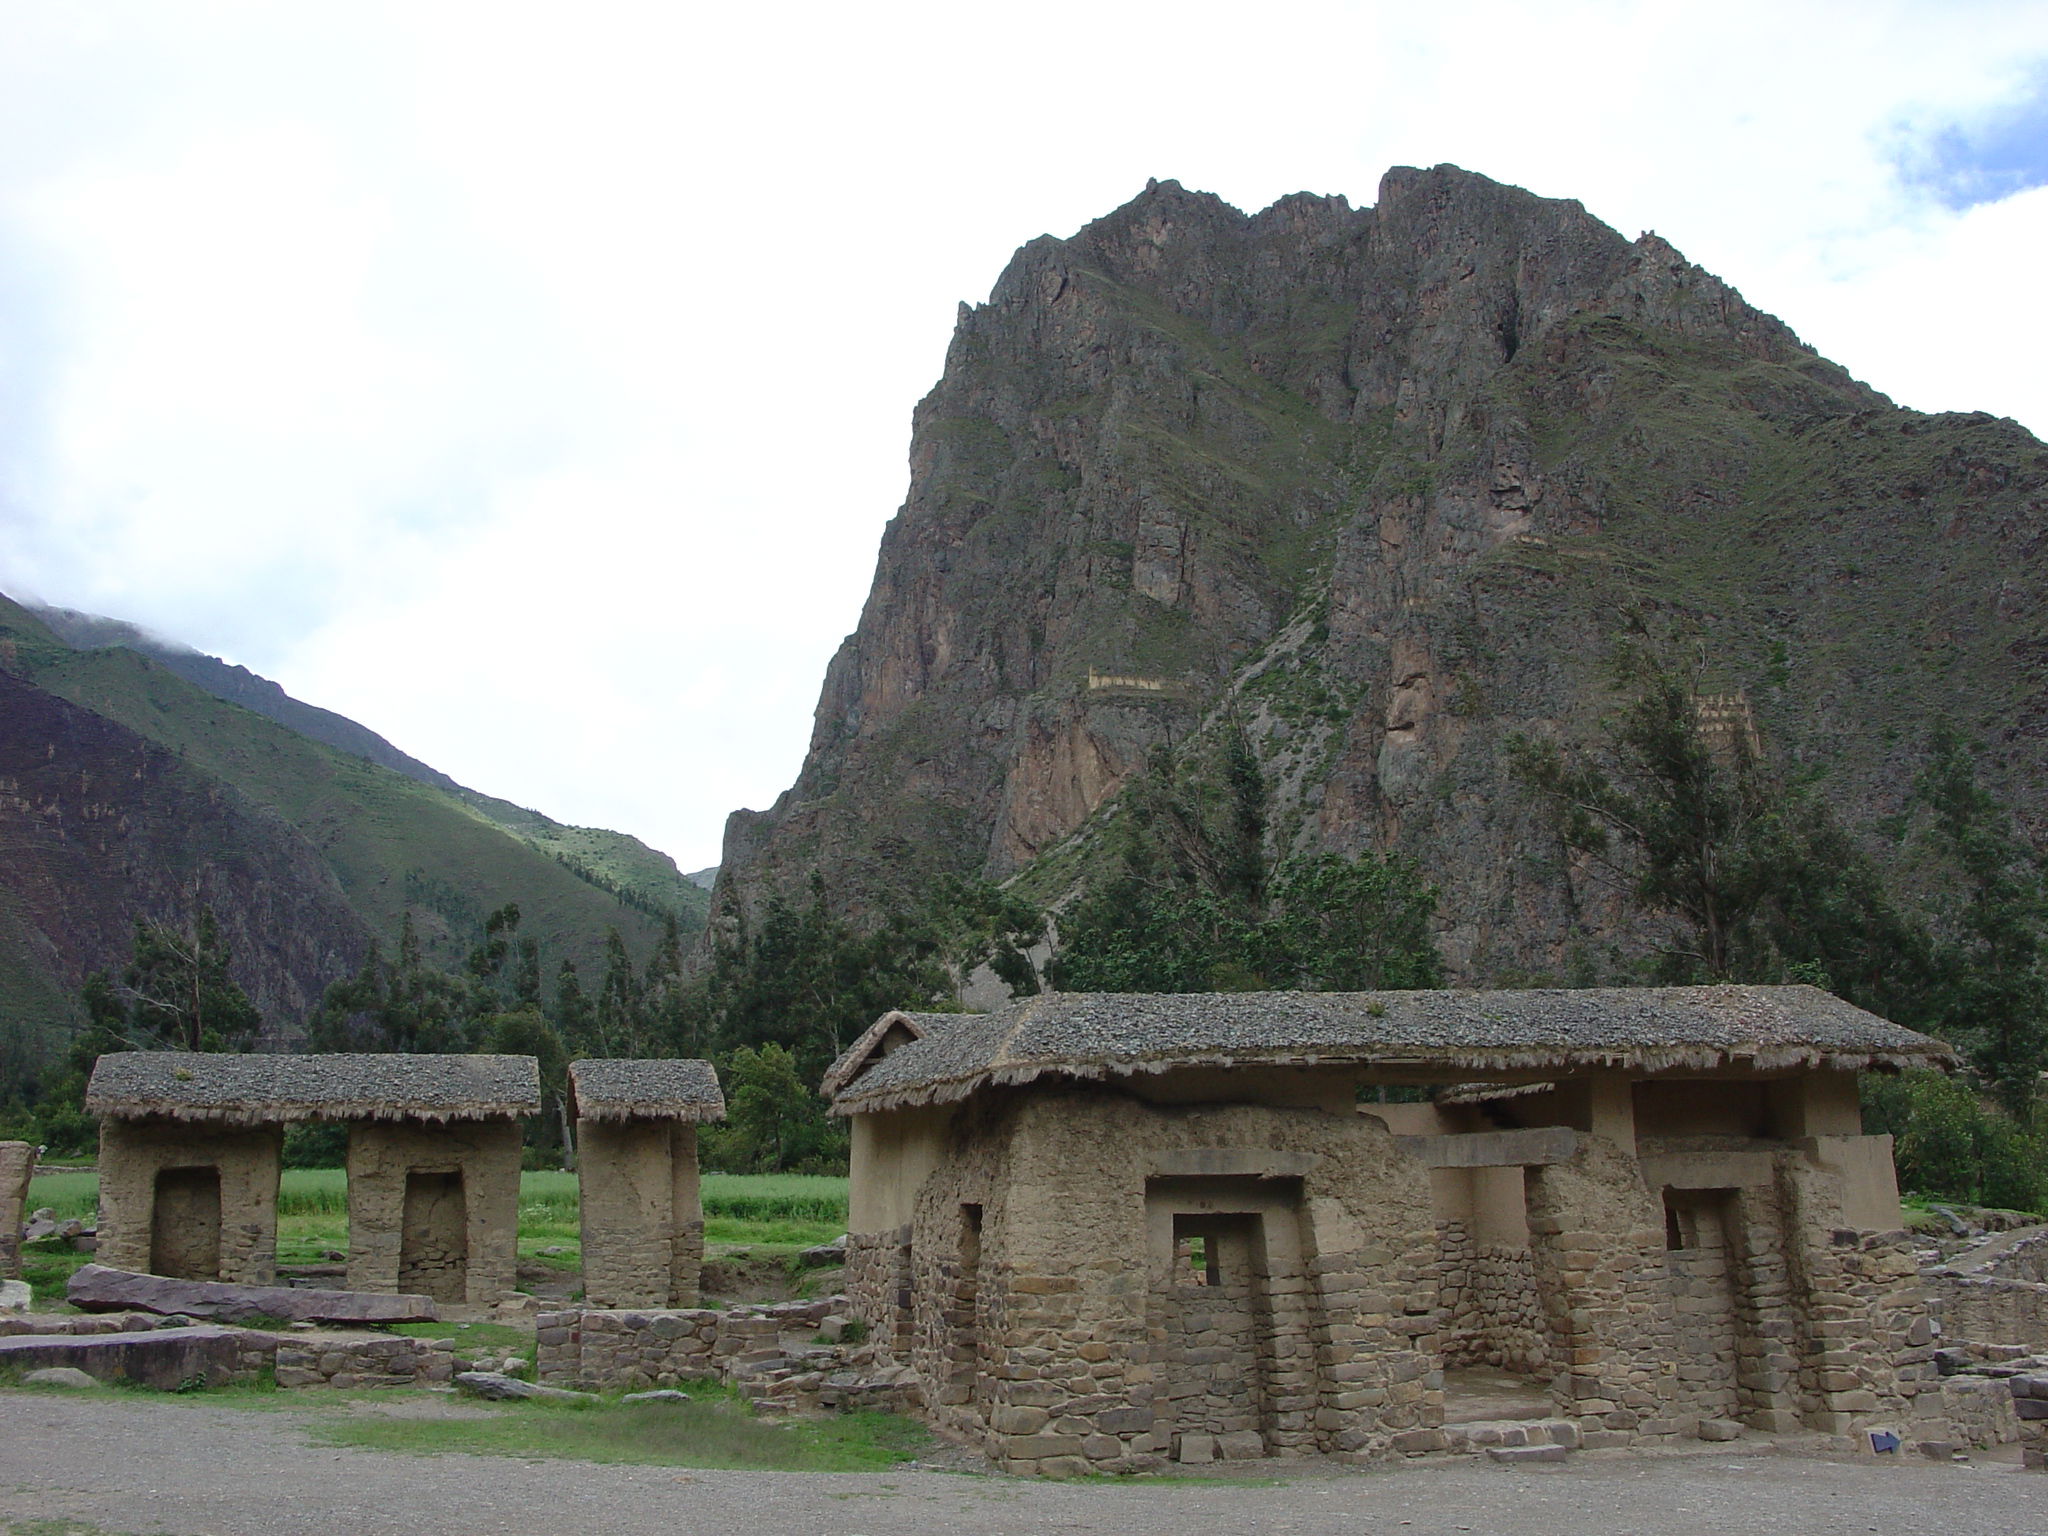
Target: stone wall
453 1238
1492 1313
245 1162
17 1166
773 1355
350 1364
1988 1310
1071 1188
643 1217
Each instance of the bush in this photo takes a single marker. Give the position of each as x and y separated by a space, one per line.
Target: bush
1952 1145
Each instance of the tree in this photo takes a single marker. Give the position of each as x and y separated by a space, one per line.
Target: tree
175 993
774 1121
1352 925
1991 958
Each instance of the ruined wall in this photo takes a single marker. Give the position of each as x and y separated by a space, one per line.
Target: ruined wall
1984 1309
643 1217
247 1161
354 1364
434 1209
17 1166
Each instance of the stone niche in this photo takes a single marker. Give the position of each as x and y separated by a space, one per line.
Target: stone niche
433 1209
193 1201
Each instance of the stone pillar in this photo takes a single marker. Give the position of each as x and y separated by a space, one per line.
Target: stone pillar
643 1225
1596 1238
1867 1357
17 1166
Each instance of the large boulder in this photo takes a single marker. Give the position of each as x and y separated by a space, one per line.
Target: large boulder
167 1359
497 1387
96 1288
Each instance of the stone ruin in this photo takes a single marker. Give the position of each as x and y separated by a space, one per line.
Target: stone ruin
1109 1231
191 1149
17 1167
636 1169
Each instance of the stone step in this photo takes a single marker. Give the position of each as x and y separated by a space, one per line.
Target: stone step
1478 1435
1515 1453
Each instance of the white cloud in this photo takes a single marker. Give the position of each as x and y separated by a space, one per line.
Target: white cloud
532 384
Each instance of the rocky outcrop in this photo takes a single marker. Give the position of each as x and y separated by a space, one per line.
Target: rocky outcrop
1376 483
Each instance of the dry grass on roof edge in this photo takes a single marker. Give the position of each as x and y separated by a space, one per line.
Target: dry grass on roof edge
290 1112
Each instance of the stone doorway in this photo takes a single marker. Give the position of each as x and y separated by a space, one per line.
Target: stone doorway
1706 1296
433 1255
1222 1251
184 1233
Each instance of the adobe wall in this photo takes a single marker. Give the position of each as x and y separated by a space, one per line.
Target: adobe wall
248 1159
1036 1330
17 1166
642 1212
417 1235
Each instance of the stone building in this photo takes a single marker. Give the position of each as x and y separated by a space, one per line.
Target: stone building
191 1149
1109 1229
17 1167
636 1169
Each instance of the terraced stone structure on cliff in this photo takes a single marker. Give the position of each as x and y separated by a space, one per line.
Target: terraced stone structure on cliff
1110 1229
636 1173
191 1149
1375 485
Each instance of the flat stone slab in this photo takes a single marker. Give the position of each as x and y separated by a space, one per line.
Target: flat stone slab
96 1288
163 1358
497 1387
1517 1453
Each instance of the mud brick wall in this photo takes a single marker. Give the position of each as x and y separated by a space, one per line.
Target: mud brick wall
1491 1312
383 1199
17 1165
132 1155
643 1217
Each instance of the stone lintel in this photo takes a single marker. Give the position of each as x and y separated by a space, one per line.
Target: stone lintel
1494 1149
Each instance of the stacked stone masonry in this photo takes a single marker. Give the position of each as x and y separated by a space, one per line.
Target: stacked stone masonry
17 1166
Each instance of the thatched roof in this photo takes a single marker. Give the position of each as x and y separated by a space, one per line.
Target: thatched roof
262 1090
891 1031
645 1090
1515 1034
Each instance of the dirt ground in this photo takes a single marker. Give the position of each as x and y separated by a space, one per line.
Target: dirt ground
185 1468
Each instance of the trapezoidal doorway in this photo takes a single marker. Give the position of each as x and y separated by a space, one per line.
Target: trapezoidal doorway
1222 1251
184 1224
433 1255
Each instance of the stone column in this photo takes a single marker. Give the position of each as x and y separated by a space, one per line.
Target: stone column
1596 1239
17 1166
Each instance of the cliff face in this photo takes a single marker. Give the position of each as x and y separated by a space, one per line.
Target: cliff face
1376 483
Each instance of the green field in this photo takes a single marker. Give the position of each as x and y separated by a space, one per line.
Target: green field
760 1212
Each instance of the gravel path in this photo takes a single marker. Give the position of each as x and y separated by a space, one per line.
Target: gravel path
127 1464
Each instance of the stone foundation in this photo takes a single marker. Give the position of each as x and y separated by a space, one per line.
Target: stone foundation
351 1364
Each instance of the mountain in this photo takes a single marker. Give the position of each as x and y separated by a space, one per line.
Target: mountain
1375 487
131 787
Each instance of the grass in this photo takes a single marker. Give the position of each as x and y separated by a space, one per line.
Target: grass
764 1213
712 1430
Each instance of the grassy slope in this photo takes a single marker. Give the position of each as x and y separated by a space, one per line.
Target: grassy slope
393 843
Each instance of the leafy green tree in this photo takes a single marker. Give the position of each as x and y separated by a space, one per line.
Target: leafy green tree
405 1005
174 994
1991 957
774 1120
1352 925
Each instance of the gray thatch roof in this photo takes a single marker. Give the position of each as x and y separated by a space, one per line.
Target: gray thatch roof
1097 1035
258 1090
891 1031
646 1090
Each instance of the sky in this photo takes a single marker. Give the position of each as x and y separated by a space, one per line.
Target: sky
532 383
